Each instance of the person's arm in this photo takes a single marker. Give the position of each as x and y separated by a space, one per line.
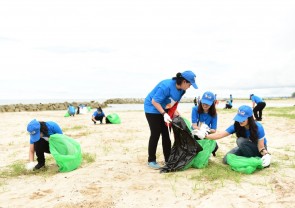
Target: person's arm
31 153
158 107
261 147
217 135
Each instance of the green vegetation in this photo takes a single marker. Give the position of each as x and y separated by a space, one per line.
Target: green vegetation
285 112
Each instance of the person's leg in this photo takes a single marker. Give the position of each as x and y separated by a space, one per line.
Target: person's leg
235 151
154 121
255 110
166 142
99 118
261 107
41 147
248 148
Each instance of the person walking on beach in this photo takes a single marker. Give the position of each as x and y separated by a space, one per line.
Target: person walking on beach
258 106
231 98
251 141
40 132
205 113
98 115
163 99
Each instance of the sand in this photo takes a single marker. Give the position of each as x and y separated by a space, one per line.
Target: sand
119 176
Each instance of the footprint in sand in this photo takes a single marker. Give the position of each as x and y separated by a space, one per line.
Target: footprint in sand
40 194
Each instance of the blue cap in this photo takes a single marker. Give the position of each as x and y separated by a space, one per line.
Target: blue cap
190 76
244 112
34 129
208 98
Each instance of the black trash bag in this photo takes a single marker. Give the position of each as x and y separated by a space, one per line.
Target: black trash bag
184 149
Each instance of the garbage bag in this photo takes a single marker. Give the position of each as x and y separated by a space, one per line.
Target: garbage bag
242 164
202 158
66 152
184 149
67 114
113 118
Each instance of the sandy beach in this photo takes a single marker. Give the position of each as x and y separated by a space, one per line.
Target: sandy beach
119 176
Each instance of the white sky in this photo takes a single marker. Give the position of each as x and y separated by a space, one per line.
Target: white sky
90 49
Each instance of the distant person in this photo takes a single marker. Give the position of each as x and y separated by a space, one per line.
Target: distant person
98 115
231 98
71 110
258 106
228 105
216 102
195 101
251 141
205 113
40 132
159 104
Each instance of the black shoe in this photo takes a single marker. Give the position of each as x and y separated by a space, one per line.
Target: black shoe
94 122
38 166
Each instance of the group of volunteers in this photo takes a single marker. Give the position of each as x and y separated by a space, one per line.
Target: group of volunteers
160 107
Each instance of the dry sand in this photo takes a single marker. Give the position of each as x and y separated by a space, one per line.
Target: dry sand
119 177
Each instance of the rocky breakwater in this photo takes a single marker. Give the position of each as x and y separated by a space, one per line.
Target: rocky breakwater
47 106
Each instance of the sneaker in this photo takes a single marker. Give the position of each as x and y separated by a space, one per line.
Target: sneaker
38 166
154 165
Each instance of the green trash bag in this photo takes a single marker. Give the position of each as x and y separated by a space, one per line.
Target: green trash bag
188 123
202 158
67 114
245 165
88 108
113 119
66 152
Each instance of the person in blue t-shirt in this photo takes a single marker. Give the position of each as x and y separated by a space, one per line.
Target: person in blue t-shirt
159 107
251 141
98 115
228 105
40 132
258 106
71 110
205 113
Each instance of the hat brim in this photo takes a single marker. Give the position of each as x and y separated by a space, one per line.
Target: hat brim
208 102
35 137
194 85
240 118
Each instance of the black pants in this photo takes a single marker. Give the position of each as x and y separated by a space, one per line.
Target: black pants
157 128
41 147
98 118
258 110
227 106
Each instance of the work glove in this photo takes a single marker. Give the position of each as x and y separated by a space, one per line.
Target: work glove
167 118
201 134
204 127
266 160
30 165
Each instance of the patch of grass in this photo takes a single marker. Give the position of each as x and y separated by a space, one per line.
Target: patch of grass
285 112
88 157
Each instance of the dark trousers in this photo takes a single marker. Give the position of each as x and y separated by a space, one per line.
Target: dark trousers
227 106
245 148
41 147
157 128
258 110
99 118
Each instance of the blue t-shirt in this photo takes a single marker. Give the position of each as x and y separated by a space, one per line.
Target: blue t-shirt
256 99
98 113
204 118
165 93
71 110
260 132
53 128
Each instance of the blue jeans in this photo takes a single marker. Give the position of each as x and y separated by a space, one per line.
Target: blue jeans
245 148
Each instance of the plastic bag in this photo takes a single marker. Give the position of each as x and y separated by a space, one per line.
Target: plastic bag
66 152
113 118
242 164
202 158
184 149
67 114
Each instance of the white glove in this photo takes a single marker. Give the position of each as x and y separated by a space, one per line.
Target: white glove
266 160
30 165
199 133
167 118
204 127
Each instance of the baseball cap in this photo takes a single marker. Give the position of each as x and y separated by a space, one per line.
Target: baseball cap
244 112
208 98
34 129
190 76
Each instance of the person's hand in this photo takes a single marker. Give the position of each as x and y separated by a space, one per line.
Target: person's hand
266 160
205 128
167 118
199 133
30 165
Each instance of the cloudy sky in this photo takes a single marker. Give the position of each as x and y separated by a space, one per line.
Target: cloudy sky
91 49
